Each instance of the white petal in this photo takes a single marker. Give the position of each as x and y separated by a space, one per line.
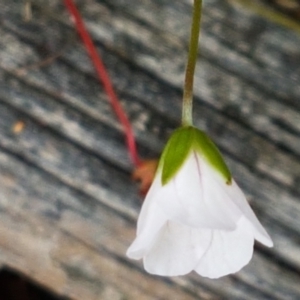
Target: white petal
177 250
239 198
194 197
229 251
150 221
149 209
215 188
153 223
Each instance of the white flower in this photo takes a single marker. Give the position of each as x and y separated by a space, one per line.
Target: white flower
195 218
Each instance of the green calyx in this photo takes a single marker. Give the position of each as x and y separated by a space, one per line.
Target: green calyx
182 142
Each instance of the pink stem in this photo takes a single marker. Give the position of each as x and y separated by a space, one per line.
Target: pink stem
104 78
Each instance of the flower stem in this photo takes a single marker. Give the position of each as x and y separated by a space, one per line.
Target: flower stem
187 106
105 79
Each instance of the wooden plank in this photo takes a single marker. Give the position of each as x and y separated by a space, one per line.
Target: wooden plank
246 98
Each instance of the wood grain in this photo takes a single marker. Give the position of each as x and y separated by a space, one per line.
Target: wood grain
67 202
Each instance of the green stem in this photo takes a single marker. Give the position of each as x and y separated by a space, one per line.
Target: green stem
187 107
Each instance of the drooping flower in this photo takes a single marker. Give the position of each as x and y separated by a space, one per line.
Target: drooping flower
195 217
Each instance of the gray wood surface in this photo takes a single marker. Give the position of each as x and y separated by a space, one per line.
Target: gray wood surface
68 206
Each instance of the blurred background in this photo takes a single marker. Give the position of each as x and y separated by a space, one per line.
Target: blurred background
68 204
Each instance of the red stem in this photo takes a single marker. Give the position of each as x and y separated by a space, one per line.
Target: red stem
104 78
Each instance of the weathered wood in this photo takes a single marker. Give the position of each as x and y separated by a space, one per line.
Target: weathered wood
67 203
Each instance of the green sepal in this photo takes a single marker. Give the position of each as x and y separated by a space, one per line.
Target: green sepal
181 142
175 153
211 154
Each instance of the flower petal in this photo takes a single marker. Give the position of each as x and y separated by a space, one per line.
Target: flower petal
240 200
144 240
149 208
194 197
150 221
177 250
229 251
215 193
